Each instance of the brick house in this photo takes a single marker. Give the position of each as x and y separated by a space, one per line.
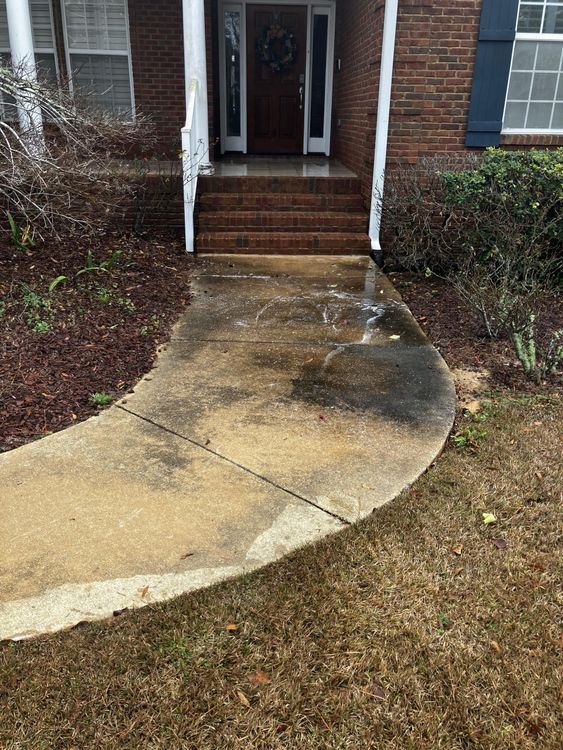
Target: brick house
349 86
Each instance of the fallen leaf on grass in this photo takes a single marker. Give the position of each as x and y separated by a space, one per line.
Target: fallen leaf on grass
495 646
231 627
259 678
499 543
458 571
457 549
243 699
473 407
489 518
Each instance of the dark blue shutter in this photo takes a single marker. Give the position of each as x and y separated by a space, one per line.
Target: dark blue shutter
492 69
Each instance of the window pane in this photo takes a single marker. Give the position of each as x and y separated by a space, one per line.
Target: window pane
100 25
549 56
524 55
515 115
543 88
519 87
529 18
232 73
318 76
558 117
40 21
539 116
553 23
536 84
105 79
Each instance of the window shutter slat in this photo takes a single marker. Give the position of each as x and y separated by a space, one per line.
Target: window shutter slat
492 69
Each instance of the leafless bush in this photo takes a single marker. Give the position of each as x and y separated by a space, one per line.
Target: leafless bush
68 178
415 214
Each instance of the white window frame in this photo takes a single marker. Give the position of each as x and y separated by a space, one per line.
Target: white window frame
37 51
240 144
102 53
532 37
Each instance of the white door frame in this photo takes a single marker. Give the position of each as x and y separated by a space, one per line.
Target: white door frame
314 7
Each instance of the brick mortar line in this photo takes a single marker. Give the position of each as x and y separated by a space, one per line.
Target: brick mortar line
236 464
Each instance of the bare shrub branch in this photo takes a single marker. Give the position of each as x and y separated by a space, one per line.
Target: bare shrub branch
69 179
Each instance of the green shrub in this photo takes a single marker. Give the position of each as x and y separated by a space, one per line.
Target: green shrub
524 186
494 229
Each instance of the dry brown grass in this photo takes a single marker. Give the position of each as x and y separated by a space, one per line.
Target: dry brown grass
380 637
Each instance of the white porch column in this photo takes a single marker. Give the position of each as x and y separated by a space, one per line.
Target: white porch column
23 58
195 66
382 126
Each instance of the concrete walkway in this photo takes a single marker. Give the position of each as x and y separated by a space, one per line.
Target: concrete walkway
296 395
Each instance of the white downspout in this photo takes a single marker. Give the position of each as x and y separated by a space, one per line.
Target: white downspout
23 59
382 127
195 67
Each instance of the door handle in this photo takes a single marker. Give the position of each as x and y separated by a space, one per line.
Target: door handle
300 97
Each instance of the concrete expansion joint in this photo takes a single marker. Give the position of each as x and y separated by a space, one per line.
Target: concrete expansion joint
222 457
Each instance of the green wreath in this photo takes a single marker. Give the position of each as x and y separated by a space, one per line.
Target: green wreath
277 48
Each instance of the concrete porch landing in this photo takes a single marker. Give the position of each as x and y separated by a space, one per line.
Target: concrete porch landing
296 395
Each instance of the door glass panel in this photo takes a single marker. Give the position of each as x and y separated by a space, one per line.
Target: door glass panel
318 75
232 72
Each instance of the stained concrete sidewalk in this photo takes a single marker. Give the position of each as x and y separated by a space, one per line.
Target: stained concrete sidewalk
296 395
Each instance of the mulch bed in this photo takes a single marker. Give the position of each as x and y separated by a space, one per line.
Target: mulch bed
96 332
456 330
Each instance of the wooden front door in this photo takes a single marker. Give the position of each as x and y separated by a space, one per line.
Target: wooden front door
276 85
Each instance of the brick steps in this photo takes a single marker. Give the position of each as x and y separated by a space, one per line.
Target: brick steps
280 202
282 221
284 243
281 215
312 185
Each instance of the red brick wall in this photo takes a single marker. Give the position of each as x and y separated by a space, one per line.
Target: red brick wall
359 32
434 58
157 52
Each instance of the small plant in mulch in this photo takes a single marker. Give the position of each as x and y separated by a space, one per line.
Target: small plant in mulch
101 399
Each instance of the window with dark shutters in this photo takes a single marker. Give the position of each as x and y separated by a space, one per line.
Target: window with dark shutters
492 69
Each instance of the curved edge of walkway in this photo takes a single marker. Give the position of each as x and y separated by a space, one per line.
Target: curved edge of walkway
317 400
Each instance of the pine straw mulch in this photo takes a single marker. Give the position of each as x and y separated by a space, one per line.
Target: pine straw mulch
96 332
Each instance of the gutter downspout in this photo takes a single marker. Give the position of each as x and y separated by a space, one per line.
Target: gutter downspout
23 59
382 125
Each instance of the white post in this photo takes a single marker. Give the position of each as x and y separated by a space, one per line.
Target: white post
195 67
382 127
23 59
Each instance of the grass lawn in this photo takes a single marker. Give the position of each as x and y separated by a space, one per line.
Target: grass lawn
421 627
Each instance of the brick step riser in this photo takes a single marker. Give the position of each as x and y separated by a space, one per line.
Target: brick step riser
312 185
340 250
283 243
280 222
214 202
